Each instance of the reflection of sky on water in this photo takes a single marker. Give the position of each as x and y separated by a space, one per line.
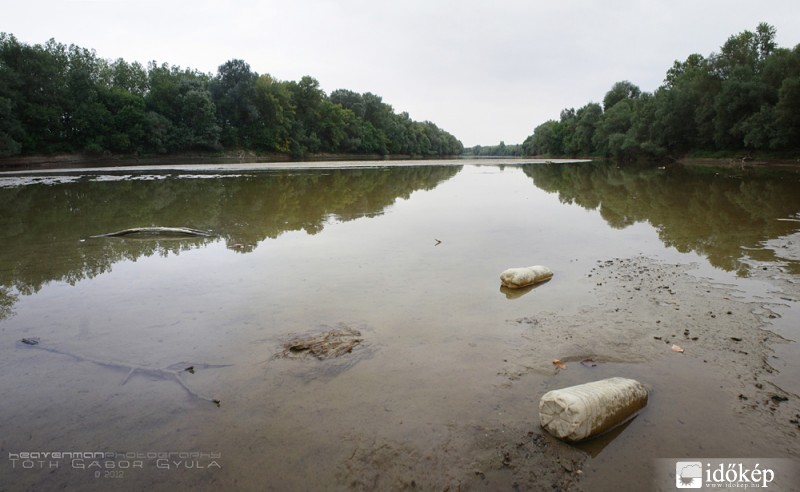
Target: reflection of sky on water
370 256
374 226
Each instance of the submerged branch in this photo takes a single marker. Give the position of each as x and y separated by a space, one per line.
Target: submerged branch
172 372
157 230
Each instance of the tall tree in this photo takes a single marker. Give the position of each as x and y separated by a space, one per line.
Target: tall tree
620 91
184 116
234 93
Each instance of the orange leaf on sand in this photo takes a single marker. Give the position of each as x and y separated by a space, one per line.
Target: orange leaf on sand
559 364
677 348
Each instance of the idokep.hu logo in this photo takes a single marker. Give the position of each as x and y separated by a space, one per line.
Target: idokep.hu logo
689 474
774 474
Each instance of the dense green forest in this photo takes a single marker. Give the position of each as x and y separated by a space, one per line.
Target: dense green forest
500 150
744 99
65 99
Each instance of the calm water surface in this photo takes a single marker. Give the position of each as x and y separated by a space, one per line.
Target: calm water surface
407 254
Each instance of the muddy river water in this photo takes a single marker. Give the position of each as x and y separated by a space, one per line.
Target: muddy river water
157 359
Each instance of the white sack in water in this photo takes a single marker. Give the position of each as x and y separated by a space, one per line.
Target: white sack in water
579 412
522 277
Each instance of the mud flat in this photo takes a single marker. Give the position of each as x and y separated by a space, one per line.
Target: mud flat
716 398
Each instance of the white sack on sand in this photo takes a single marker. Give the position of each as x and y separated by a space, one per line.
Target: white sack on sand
516 278
586 410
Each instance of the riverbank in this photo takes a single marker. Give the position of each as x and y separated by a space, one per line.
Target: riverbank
741 163
732 163
68 161
717 396
74 161
707 353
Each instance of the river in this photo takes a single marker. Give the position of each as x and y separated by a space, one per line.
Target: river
136 335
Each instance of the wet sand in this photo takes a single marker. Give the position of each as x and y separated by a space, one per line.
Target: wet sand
716 399
476 431
321 424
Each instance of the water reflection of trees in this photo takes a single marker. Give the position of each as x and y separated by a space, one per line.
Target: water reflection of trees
717 216
44 228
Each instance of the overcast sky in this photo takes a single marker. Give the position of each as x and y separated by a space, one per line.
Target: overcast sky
484 70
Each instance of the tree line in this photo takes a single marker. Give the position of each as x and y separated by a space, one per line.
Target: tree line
499 150
65 99
746 98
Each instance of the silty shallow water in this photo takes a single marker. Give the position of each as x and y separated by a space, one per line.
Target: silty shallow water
407 254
